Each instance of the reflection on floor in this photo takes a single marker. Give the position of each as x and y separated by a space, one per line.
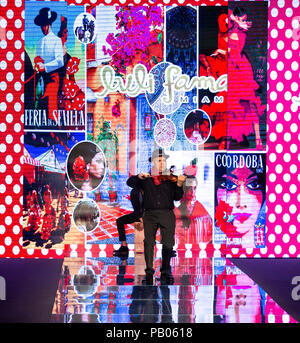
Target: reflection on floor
106 289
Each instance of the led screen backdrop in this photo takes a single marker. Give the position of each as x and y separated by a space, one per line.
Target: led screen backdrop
215 86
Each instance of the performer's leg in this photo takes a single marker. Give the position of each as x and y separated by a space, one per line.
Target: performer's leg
150 229
121 222
124 220
167 229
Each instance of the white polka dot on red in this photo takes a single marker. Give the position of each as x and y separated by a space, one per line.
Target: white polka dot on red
283 128
11 129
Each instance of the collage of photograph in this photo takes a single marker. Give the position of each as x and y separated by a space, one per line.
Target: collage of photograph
145 132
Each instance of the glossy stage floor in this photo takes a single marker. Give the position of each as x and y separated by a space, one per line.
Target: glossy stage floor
100 288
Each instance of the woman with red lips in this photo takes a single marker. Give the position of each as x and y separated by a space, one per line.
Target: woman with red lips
240 196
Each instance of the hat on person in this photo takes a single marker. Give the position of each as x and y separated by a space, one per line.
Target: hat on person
45 17
158 153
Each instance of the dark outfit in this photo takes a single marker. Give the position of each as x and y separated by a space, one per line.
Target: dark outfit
158 205
137 204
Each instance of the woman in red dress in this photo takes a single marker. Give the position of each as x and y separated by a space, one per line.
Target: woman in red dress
244 107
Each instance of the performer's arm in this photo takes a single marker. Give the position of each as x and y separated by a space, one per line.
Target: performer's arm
136 180
178 187
136 201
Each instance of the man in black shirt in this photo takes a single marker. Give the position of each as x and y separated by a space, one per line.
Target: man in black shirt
159 199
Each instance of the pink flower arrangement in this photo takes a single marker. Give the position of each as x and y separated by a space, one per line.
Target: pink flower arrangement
137 29
190 170
116 112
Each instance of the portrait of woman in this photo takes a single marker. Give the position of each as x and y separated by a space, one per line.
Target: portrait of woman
197 127
240 194
86 166
193 222
86 215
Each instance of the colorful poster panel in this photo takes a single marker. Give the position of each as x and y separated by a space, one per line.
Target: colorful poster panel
247 75
237 47
46 191
181 51
54 88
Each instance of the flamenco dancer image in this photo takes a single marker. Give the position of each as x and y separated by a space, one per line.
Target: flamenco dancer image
30 232
64 220
215 66
136 198
193 222
49 218
49 58
244 106
160 192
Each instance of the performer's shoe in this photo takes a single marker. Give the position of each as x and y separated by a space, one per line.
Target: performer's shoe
148 280
166 278
123 251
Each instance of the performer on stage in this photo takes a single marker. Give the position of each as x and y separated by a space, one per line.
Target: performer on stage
136 199
159 197
49 57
